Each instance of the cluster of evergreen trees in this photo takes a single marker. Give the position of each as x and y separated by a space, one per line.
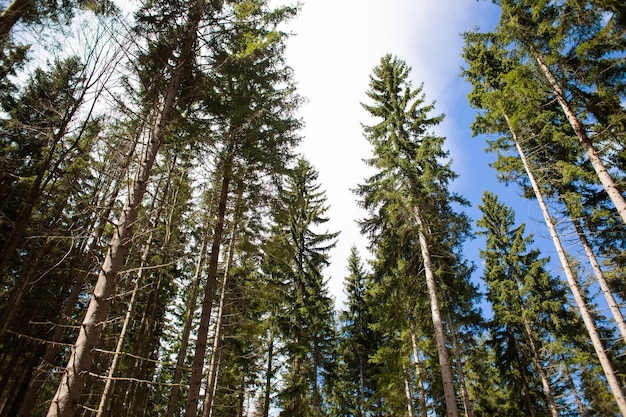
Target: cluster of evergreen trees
162 244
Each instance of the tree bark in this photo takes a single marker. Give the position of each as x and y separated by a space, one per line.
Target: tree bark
122 336
605 362
418 369
213 363
268 375
361 386
67 397
603 174
191 306
209 291
11 15
536 358
440 338
604 285
459 368
408 396
570 380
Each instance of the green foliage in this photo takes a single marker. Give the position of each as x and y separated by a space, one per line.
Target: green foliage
413 174
300 252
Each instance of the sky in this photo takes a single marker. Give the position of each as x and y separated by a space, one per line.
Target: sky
333 49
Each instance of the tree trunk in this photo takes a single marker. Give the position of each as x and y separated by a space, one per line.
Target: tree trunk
361 386
418 369
522 371
213 363
66 399
570 380
545 382
316 400
122 336
459 368
603 174
597 271
184 343
40 374
209 292
408 396
11 15
606 364
268 375
444 363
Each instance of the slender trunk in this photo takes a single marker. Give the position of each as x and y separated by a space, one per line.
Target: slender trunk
184 343
40 374
444 362
523 373
242 392
122 336
66 399
603 174
133 300
570 380
217 371
11 15
605 362
316 402
536 358
604 286
212 374
209 291
361 386
268 375
459 368
418 369
408 395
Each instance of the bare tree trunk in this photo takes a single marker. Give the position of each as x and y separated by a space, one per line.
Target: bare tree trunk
570 380
361 386
217 371
209 292
408 396
184 343
604 286
10 16
134 295
122 336
459 368
213 363
39 374
418 369
316 398
444 362
605 362
268 375
603 174
536 357
66 399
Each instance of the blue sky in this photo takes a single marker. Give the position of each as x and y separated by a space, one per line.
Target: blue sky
335 46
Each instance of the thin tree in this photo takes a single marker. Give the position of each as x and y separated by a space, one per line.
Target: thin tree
408 158
72 382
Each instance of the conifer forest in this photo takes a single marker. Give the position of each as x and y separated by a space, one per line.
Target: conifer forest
164 244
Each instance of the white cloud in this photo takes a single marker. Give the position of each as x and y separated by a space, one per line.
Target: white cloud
336 45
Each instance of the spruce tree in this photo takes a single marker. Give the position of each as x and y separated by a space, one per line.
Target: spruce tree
411 187
300 250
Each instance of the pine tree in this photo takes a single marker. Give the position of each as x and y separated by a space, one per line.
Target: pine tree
524 297
513 108
357 343
307 321
412 185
